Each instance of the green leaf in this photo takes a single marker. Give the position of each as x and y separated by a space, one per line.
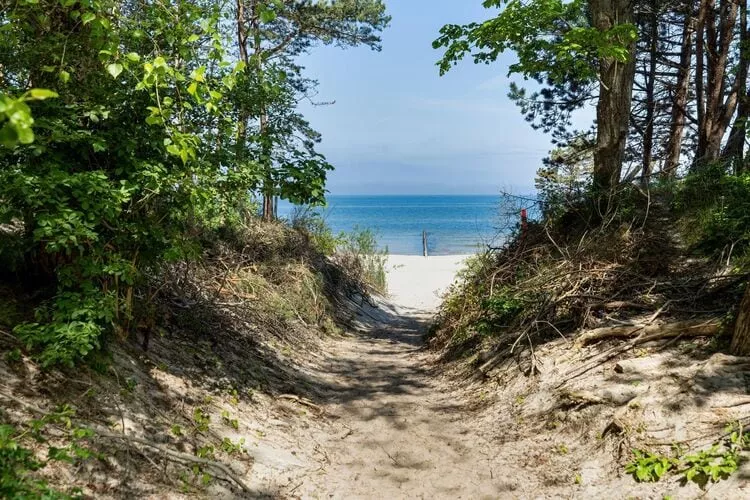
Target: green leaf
25 135
133 57
87 18
267 15
114 69
41 94
64 76
8 136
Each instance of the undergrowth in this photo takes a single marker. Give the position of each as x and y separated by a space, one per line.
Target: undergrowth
357 251
701 467
592 259
270 274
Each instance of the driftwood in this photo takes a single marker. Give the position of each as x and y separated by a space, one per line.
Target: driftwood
642 334
178 456
700 328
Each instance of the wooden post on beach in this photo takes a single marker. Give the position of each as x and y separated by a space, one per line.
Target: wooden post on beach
424 243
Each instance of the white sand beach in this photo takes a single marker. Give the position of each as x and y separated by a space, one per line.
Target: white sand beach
417 282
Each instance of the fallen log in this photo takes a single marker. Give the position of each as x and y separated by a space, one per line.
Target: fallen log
693 328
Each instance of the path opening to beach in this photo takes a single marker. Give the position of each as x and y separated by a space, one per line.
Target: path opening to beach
401 426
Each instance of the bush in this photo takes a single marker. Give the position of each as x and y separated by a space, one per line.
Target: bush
716 210
311 222
360 254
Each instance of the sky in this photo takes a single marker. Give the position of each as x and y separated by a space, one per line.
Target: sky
397 127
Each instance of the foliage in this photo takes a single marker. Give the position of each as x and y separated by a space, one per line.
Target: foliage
716 209
564 180
550 37
710 465
275 33
19 463
311 222
16 119
648 467
500 309
361 255
701 467
138 148
16 465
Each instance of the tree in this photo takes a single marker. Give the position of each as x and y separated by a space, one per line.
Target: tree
741 339
716 92
554 40
616 73
734 150
123 163
680 95
270 34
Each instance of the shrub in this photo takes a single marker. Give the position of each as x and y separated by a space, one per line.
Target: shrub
360 254
716 210
311 222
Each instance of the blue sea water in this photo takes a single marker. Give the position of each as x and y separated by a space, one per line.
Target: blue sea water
455 224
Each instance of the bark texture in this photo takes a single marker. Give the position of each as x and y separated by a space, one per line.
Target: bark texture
615 95
717 99
678 118
741 338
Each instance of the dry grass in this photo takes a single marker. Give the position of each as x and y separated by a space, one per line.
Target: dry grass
568 276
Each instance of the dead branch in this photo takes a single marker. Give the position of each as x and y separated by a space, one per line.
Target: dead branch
132 440
640 339
701 328
302 401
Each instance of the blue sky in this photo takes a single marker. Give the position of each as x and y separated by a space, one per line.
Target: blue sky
397 127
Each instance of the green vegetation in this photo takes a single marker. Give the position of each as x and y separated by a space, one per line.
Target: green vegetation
648 467
21 451
156 127
361 255
702 467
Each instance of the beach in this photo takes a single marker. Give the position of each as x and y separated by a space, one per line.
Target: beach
418 282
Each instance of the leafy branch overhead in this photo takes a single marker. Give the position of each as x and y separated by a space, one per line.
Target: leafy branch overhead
552 40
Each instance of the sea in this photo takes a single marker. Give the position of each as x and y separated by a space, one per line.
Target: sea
455 225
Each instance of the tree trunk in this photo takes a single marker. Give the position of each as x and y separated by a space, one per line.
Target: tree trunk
615 94
734 151
700 99
648 136
720 101
680 101
268 211
741 339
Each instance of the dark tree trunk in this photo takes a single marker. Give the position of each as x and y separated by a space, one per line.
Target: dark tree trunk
615 94
700 37
734 151
648 135
720 102
268 211
741 339
680 101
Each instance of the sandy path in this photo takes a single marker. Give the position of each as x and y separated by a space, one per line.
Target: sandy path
417 282
400 431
